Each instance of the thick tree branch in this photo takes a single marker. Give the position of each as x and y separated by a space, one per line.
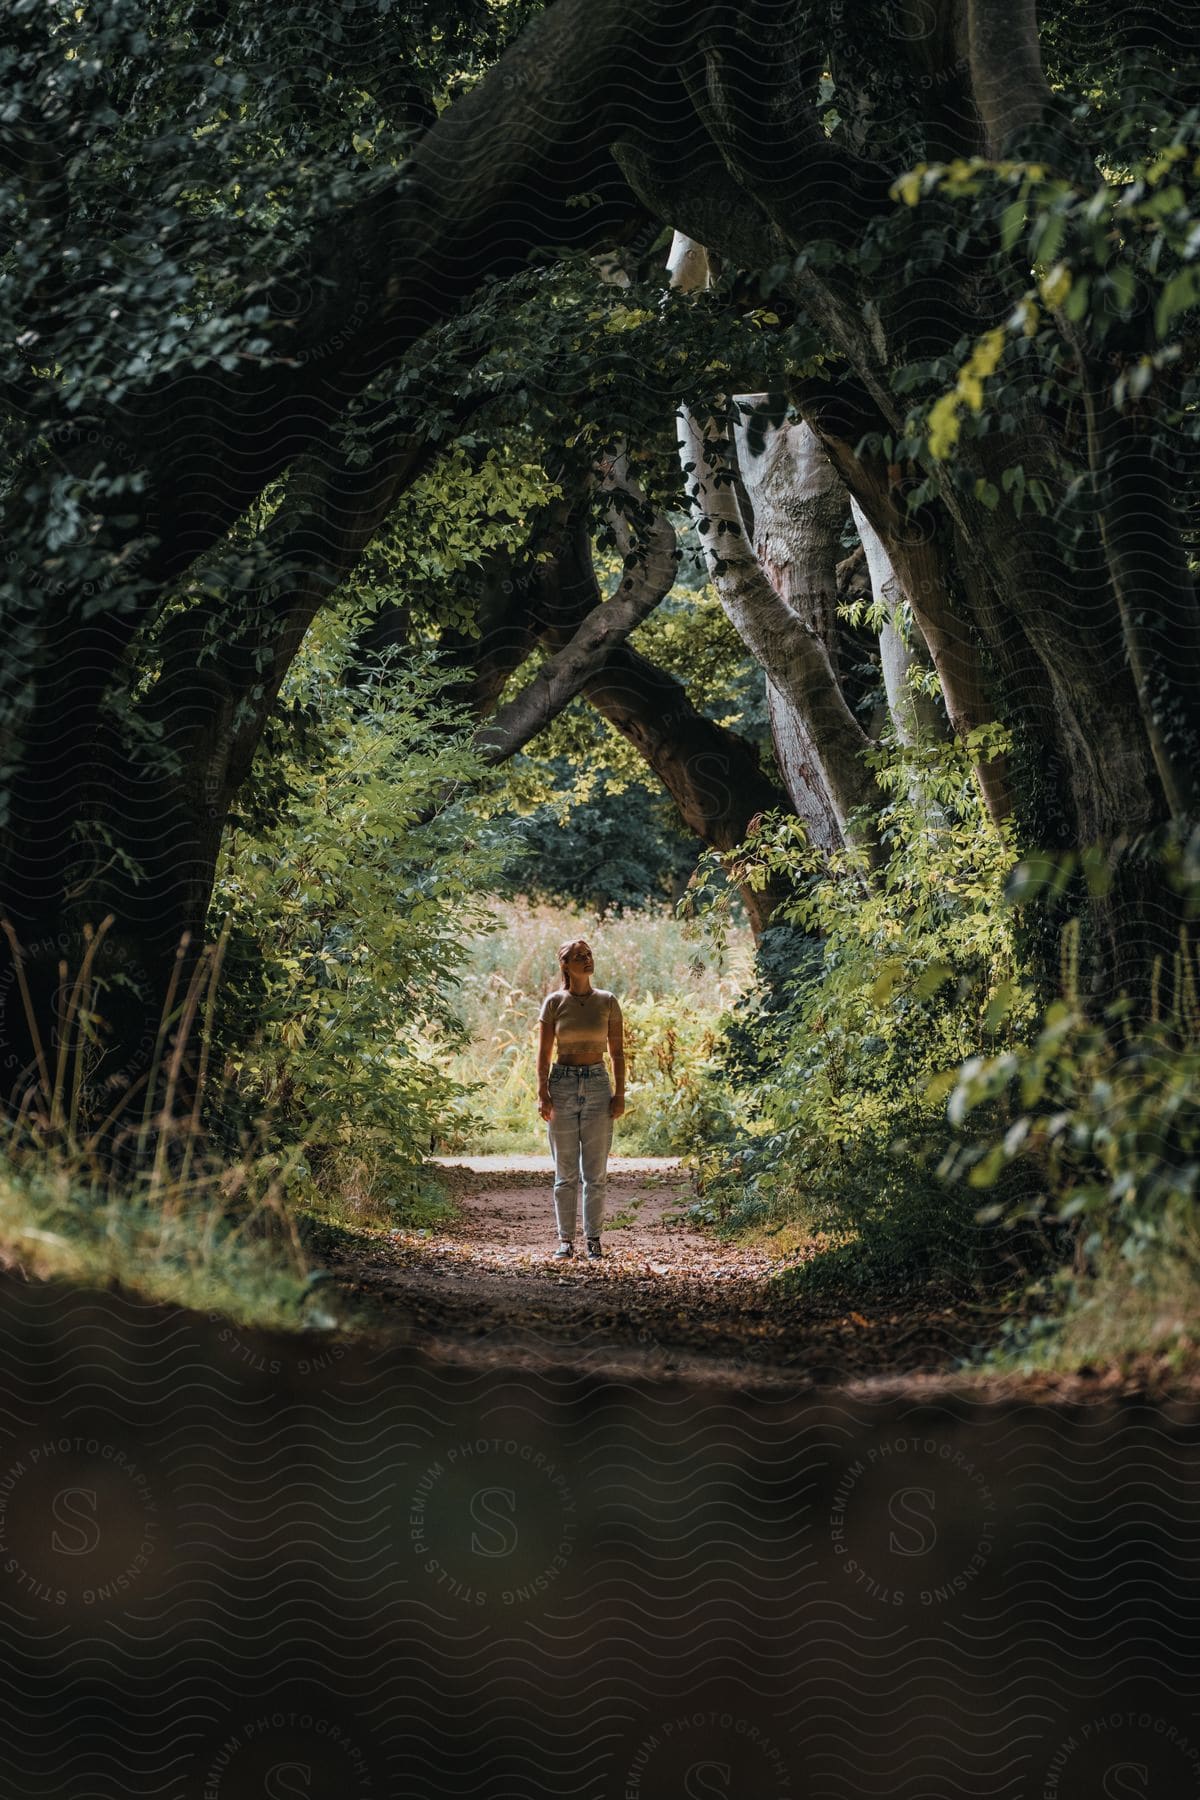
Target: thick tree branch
711 773
755 92
520 163
558 681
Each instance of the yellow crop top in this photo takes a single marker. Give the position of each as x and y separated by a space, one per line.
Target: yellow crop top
581 1021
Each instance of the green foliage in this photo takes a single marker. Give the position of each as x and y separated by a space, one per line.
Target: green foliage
1090 1126
558 364
1104 1114
346 917
841 1054
1141 1315
1085 238
201 1242
1101 256
179 183
620 847
474 501
670 1045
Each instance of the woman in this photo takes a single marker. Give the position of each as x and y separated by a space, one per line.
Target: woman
574 1097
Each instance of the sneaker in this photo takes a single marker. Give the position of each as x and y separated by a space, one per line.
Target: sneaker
565 1249
594 1250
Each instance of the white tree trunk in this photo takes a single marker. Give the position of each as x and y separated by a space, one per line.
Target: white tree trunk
800 767
798 507
916 717
794 657
786 646
793 508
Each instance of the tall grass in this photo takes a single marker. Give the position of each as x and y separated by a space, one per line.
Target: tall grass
673 985
196 1244
131 1192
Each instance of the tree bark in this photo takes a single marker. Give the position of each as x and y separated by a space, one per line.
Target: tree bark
1009 85
787 647
711 773
803 775
792 527
1154 590
916 717
569 670
794 506
919 558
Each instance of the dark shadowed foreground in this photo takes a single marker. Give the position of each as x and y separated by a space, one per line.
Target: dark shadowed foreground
240 1566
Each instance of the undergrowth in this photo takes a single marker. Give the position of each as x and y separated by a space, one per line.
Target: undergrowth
870 988
907 1101
198 1245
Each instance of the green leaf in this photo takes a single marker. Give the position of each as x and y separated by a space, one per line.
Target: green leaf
886 981
1122 285
1076 302
1012 221
931 979
1031 877
1177 296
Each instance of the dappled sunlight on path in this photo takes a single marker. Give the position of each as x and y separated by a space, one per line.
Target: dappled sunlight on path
667 1297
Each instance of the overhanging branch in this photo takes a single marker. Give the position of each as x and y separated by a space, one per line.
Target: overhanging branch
566 673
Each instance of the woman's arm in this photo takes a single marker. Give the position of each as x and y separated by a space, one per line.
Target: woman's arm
616 1049
545 1052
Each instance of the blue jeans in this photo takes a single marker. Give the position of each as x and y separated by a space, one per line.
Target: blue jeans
580 1131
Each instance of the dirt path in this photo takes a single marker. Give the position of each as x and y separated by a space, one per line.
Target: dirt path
665 1299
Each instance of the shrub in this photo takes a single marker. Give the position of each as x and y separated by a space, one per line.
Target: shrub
346 920
870 990
1103 1113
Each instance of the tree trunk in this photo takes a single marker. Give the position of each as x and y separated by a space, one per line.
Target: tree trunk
916 717
780 493
803 776
781 639
138 838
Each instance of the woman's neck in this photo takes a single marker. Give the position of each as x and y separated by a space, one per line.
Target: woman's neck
581 991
